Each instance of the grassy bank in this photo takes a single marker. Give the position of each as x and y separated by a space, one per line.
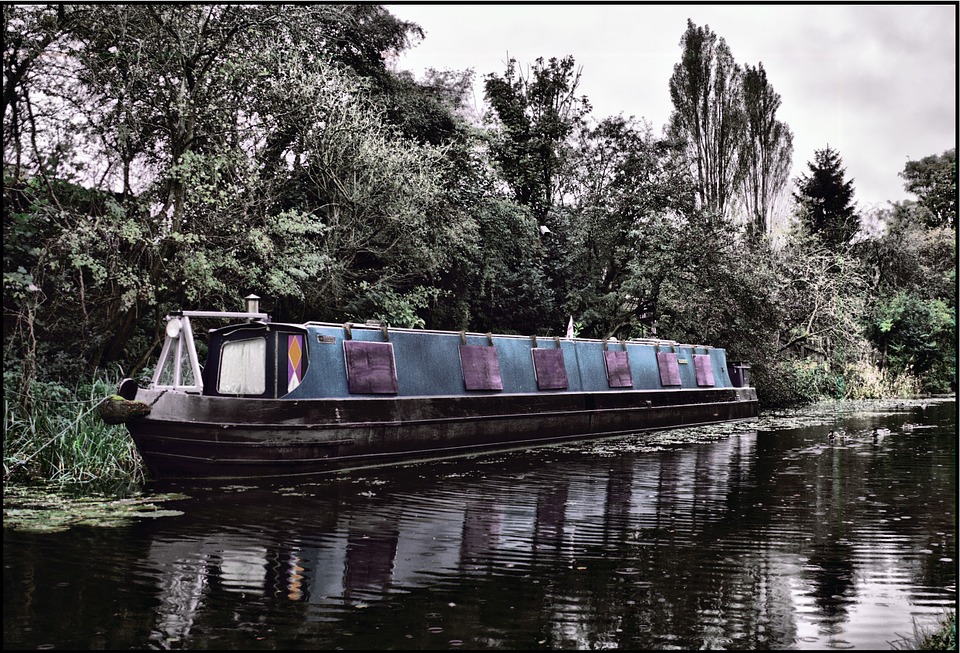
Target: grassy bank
54 434
943 638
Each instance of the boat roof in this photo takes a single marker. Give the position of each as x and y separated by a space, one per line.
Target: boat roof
379 326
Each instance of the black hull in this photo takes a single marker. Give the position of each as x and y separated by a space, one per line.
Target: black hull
192 436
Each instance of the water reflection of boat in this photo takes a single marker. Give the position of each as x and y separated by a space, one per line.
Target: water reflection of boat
291 399
314 546
746 540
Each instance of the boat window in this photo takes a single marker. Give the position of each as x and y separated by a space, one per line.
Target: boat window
704 370
618 369
669 369
481 369
549 369
243 367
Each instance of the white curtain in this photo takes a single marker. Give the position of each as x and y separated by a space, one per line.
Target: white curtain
243 365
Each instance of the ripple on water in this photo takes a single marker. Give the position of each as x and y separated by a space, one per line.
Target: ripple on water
769 539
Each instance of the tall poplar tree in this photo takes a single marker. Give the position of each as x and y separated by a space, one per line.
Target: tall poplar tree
706 90
767 152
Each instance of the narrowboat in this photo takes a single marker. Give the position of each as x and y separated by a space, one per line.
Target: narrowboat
281 400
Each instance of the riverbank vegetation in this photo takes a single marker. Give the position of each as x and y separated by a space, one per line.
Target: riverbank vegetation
55 434
943 638
159 158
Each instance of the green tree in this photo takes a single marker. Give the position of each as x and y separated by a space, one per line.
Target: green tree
537 117
909 255
724 293
917 335
246 161
631 208
912 308
495 279
708 117
29 33
933 179
822 297
824 199
375 194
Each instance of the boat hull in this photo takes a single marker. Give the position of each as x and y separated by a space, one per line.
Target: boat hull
195 436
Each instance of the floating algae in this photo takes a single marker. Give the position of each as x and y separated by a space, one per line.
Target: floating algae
42 510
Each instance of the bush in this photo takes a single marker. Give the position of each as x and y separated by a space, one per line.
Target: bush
864 380
791 382
917 337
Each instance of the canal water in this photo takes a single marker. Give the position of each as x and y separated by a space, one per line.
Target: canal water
831 527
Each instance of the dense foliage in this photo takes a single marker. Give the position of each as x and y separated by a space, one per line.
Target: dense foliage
159 157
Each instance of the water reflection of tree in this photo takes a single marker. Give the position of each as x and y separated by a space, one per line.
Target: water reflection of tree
830 566
831 569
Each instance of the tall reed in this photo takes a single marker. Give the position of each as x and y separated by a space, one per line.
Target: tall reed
942 638
56 435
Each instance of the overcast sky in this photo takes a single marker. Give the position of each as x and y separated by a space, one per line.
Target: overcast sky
877 83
